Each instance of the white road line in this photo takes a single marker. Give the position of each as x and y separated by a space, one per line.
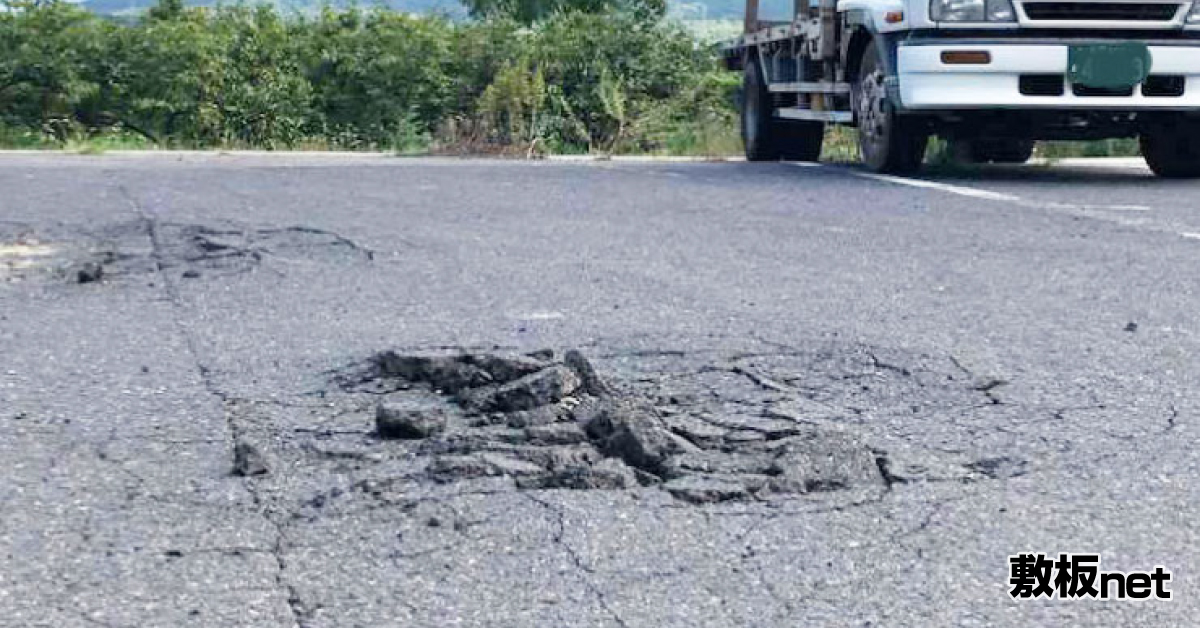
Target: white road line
1121 208
638 159
1085 210
1107 208
944 187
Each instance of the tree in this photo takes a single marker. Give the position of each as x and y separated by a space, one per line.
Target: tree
165 10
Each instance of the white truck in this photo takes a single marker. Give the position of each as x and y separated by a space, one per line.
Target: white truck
990 76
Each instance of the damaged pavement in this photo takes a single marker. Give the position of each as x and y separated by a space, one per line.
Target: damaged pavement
550 423
239 392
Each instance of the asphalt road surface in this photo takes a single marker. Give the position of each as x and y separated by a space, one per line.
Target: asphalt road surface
1011 351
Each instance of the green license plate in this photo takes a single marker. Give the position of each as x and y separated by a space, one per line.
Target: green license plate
1109 66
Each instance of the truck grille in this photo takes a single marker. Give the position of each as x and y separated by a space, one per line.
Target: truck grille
1100 11
1110 92
1155 86
1164 86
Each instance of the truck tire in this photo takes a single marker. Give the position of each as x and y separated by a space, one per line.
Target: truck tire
888 142
757 113
1173 150
993 150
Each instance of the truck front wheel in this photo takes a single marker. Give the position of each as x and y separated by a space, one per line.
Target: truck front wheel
1172 150
887 141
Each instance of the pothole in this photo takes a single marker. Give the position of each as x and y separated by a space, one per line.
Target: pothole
191 250
551 422
200 248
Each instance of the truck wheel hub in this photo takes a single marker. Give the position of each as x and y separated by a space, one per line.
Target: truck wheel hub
869 108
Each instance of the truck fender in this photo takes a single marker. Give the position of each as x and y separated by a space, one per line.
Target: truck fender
873 14
858 32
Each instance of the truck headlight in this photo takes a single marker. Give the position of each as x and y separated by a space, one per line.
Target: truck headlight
977 11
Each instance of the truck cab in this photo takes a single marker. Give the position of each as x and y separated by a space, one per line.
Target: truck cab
990 76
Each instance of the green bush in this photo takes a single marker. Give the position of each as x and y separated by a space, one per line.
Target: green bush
378 78
511 107
47 67
613 77
607 72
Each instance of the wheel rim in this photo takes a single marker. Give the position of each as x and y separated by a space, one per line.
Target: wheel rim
870 110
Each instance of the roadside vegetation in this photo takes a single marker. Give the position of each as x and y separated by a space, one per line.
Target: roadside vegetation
522 77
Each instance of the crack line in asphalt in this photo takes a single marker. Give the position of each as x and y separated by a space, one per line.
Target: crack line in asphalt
576 560
235 432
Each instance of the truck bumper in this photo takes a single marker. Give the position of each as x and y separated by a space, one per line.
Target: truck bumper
925 82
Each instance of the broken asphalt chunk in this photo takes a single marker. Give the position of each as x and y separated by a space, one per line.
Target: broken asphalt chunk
503 369
89 272
544 387
444 373
608 474
702 490
542 415
409 420
633 432
486 464
556 434
590 381
248 461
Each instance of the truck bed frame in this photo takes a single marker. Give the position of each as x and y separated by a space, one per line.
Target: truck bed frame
797 61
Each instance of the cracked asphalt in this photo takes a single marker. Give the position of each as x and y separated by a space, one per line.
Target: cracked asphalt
1015 347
